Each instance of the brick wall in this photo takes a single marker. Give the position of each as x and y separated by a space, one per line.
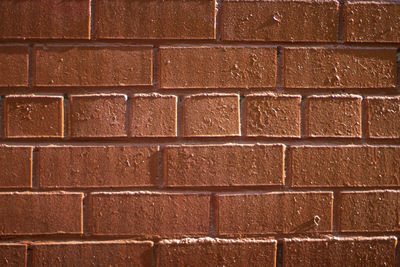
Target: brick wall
199 133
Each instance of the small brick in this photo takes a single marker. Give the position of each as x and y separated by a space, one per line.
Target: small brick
12 254
149 214
216 252
153 115
15 167
368 211
44 19
93 253
224 165
211 115
333 116
40 213
34 116
338 166
339 68
280 21
217 67
340 251
126 19
13 64
272 115
101 166
369 21
98 115
276 212
92 66
383 116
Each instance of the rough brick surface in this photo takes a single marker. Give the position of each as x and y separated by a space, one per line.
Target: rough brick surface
211 115
224 165
216 252
98 115
13 65
333 116
126 19
34 116
277 212
40 213
100 253
371 21
280 20
272 115
92 66
383 117
353 251
15 166
339 68
149 214
153 115
217 67
12 254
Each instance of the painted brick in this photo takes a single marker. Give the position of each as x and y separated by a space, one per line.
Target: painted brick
15 166
92 66
149 214
340 251
40 213
13 65
126 19
383 116
97 166
217 67
216 252
224 165
98 115
276 212
12 254
92 253
153 115
211 115
34 116
44 19
272 115
280 21
339 68
338 166
369 21
333 116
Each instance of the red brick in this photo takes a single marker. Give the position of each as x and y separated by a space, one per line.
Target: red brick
272 115
153 115
13 64
333 116
280 21
40 213
126 19
97 166
338 166
367 211
47 19
92 66
211 115
216 252
12 254
149 214
93 253
15 167
383 115
217 67
98 115
369 21
339 67
275 212
224 165
32 116
340 251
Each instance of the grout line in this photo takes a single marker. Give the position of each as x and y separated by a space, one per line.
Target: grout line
92 28
2 117
397 252
242 116
340 22
85 214
335 211
30 66
303 117
213 227
287 175
217 25
154 255
279 68
29 257
279 256
364 119
35 181
128 116
156 68
66 111
161 179
179 117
